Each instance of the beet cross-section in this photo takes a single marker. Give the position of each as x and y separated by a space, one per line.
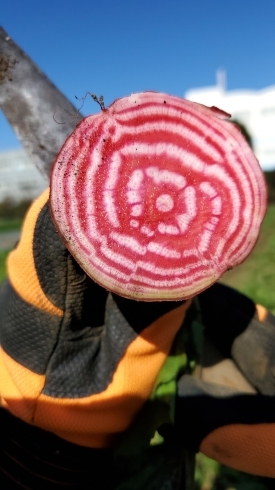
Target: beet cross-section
156 197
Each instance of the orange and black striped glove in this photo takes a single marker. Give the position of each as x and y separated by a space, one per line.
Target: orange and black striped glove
75 361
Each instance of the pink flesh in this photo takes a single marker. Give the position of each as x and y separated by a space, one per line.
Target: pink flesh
156 197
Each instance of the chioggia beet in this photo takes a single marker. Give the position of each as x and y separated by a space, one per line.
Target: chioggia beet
156 196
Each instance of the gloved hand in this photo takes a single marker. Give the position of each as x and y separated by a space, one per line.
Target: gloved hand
242 330
236 429
233 427
74 360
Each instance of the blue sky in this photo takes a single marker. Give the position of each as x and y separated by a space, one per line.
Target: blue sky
116 47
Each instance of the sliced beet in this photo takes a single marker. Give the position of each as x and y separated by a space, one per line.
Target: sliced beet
156 197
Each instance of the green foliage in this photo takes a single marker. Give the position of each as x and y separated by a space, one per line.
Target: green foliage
10 224
244 131
206 472
209 475
270 181
10 209
3 256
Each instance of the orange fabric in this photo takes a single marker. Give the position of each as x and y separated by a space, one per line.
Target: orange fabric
249 448
19 387
95 420
21 266
262 313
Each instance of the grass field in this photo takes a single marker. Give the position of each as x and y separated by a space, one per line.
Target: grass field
7 225
10 224
3 256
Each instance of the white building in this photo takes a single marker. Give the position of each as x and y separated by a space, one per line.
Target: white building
19 178
254 108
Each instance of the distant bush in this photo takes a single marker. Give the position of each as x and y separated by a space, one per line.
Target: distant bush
244 131
3 257
14 209
270 180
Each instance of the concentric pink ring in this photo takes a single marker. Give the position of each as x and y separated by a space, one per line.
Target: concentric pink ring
156 197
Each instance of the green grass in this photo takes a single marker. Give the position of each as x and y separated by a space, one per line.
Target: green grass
7 224
206 472
3 256
10 224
